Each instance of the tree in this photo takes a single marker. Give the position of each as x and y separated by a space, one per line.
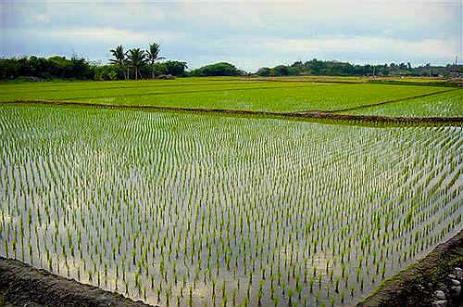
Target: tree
136 59
280 70
175 68
264 72
153 56
119 58
106 72
217 69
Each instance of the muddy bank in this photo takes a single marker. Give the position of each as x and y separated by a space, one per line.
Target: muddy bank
432 281
319 115
23 285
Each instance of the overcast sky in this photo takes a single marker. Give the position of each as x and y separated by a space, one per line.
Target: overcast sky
250 34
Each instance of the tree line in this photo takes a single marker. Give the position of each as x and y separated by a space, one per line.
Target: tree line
137 63
335 68
46 68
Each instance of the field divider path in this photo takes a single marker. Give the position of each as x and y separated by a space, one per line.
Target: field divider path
318 115
23 284
390 101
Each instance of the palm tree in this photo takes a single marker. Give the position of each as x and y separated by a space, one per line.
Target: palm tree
136 58
119 58
152 54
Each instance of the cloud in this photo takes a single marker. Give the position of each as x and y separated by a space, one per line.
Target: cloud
41 18
250 33
112 35
425 47
248 51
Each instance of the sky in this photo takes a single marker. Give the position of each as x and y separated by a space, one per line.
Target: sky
249 34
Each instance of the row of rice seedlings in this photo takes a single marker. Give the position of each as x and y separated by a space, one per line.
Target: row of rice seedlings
193 210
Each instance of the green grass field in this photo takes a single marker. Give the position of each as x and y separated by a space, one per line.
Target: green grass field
303 94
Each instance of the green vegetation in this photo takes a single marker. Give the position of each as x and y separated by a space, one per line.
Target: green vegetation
217 93
137 63
186 209
217 69
53 67
446 104
119 61
336 68
153 56
190 209
134 63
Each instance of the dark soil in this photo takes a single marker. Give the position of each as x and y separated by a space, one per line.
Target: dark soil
23 285
416 285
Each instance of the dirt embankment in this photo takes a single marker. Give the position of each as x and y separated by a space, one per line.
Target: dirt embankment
433 281
23 285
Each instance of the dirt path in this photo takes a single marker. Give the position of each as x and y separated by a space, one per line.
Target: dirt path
24 285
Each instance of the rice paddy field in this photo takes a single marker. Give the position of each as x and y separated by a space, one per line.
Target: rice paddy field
269 95
202 209
185 209
448 104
